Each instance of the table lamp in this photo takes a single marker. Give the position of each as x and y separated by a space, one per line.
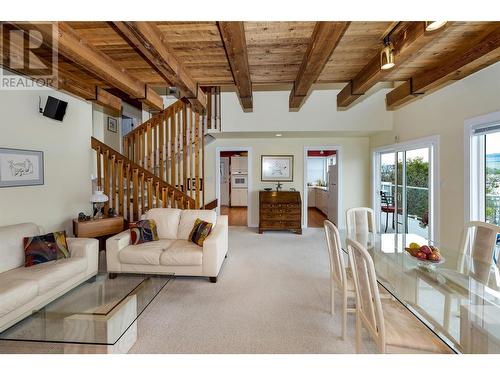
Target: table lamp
98 199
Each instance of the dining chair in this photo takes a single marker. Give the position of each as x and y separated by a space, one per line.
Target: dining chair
338 273
479 241
400 330
360 220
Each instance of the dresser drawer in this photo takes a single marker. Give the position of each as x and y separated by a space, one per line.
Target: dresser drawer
274 215
279 224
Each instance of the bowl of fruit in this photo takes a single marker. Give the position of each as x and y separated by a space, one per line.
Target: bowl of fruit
425 254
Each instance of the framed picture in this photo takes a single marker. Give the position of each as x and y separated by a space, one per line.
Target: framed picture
112 124
277 168
20 167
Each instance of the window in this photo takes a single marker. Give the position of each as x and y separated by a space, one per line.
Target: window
483 171
316 171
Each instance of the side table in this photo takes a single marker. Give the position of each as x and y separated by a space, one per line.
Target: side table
99 228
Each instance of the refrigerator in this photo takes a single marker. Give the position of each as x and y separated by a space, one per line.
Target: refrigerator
333 193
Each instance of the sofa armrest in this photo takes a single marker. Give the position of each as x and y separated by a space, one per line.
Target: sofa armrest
215 247
113 246
85 248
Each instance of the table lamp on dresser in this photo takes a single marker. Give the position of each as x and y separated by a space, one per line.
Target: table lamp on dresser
98 199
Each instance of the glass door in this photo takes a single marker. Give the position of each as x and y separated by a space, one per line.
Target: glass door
404 191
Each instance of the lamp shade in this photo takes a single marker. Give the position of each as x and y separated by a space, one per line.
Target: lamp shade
99 197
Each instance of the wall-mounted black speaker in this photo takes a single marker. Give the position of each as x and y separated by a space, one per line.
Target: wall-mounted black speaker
55 108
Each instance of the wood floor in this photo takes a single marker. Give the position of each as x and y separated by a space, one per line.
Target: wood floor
315 218
237 215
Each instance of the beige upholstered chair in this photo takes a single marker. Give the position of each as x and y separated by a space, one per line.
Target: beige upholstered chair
360 220
401 330
479 240
338 273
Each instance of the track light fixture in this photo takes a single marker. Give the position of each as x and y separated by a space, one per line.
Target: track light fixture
434 25
387 55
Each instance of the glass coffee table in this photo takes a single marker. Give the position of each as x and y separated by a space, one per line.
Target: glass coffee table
95 317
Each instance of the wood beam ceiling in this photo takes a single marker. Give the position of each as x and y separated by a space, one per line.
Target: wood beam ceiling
407 38
147 38
233 37
82 53
67 81
324 40
452 68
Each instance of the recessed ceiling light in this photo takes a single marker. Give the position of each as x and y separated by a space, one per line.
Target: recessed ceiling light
434 25
279 135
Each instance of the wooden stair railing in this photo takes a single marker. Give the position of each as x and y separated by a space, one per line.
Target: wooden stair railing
132 189
170 145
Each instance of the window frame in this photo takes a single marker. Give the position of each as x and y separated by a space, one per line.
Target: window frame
431 142
475 165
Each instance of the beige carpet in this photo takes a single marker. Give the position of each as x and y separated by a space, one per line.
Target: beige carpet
272 297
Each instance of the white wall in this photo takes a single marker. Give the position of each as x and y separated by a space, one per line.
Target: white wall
100 128
354 154
443 113
67 154
318 113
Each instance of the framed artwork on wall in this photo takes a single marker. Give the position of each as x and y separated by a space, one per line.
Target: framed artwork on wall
112 124
277 168
21 167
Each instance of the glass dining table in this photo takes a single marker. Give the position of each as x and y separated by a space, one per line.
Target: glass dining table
458 299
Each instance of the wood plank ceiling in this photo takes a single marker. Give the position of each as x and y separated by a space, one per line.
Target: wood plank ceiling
273 52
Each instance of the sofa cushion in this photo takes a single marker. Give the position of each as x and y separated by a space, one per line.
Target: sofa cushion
11 244
45 248
188 218
143 231
201 230
15 293
182 253
144 253
167 221
49 275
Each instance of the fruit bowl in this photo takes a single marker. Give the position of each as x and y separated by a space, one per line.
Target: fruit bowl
425 254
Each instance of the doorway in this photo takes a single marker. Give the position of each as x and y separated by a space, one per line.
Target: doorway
404 191
233 176
321 186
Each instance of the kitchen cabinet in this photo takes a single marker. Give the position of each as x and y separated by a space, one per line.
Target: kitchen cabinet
321 197
239 164
311 197
239 197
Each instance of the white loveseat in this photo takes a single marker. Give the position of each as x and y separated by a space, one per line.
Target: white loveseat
26 289
173 253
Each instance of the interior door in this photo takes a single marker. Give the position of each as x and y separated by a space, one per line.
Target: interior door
224 181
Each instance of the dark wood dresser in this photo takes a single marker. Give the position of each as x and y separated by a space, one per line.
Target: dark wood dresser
280 210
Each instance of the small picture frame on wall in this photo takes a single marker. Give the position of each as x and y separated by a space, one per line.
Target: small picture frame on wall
112 124
277 168
21 167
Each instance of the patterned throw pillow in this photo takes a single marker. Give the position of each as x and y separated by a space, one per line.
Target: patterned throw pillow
201 230
143 231
45 248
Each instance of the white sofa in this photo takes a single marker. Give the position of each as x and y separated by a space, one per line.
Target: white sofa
26 289
173 253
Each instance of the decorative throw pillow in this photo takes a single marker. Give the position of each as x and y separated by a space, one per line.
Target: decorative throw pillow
45 248
201 230
143 231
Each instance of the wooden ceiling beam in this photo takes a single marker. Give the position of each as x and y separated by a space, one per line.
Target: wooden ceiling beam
407 38
235 44
69 82
75 48
453 67
324 40
148 39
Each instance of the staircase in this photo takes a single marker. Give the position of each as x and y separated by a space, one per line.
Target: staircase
162 164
